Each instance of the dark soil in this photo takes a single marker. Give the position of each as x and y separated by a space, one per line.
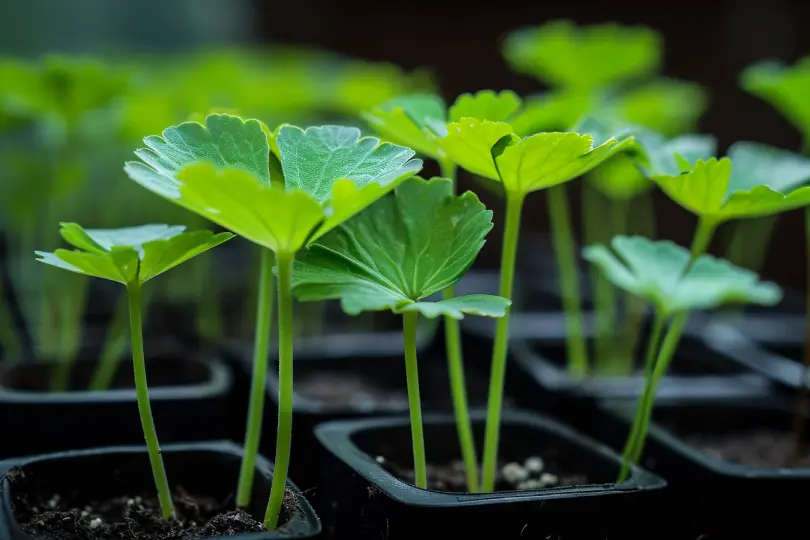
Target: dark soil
535 472
161 371
128 517
766 448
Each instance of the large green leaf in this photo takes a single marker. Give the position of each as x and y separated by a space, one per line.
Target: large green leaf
756 164
660 156
562 54
403 249
540 161
485 105
785 87
661 273
279 189
668 106
554 110
129 254
707 189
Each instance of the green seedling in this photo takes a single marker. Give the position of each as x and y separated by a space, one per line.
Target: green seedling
282 190
394 256
674 282
494 151
419 121
132 256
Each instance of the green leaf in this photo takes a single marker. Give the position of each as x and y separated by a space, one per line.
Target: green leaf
129 254
668 106
485 105
661 273
222 171
562 54
557 110
406 247
785 87
403 121
469 144
707 191
670 157
484 305
758 164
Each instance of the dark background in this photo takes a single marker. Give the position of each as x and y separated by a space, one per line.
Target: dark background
709 42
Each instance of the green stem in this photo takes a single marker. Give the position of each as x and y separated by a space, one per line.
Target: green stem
261 351
285 390
114 345
455 367
144 408
514 206
569 280
69 307
653 344
409 321
596 230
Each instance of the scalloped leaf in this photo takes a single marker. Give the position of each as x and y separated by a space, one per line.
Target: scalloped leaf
785 88
563 54
757 164
485 105
668 106
129 254
403 120
406 247
469 144
669 157
661 273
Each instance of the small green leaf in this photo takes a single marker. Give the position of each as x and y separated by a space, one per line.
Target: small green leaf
557 110
661 273
485 105
406 247
758 164
670 157
668 106
469 144
404 120
564 55
785 87
484 305
129 254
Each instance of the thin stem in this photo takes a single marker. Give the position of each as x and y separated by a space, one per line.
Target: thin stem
285 390
702 238
514 206
414 403
261 351
653 344
799 422
144 408
114 345
596 229
569 279
455 368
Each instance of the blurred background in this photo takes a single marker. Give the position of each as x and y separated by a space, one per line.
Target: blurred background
325 61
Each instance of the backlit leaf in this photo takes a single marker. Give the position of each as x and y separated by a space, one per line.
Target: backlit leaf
660 272
785 87
485 105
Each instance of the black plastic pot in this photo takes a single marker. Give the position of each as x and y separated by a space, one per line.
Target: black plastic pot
192 403
779 362
209 468
714 495
368 502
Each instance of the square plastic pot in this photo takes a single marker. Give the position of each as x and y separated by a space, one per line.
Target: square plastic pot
365 501
207 468
716 496
36 421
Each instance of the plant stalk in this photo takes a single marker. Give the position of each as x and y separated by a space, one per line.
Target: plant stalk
511 233
569 280
144 408
261 352
114 345
285 390
596 230
799 421
455 368
409 321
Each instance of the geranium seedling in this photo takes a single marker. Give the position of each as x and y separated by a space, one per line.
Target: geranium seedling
675 283
132 256
523 165
282 190
394 256
419 121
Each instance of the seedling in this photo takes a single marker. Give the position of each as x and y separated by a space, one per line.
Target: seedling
132 256
394 256
419 121
675 283
282 190
786 88
494 151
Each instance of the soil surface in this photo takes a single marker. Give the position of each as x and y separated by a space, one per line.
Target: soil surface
168 371
534 472
129 517
765 448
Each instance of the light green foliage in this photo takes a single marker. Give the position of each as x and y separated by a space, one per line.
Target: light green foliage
226 171
785 87
493 150
665 105
403 249
660 272
562 54
730 188
131 254
660 156
554 110
419 120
